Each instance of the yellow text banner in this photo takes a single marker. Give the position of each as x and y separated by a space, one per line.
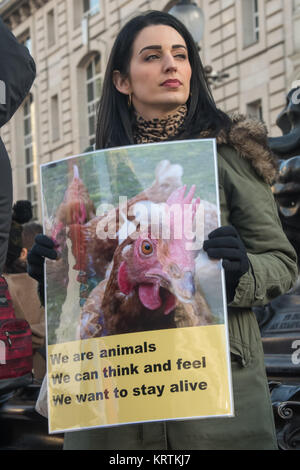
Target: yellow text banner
138 377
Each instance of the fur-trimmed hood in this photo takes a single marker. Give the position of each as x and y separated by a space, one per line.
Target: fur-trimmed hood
249 138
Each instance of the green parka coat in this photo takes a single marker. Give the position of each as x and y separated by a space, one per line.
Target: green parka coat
246 170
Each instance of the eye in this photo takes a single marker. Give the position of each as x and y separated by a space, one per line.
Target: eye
181 56
151 57
147 248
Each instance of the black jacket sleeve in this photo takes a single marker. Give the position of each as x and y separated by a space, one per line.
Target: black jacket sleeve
17 73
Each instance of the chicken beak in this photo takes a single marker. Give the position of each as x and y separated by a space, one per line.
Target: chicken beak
159 276
181 286
184 287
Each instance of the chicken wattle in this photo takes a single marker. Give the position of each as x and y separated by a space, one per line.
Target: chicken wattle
151 297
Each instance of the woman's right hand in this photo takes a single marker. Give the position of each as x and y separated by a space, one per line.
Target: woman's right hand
43 248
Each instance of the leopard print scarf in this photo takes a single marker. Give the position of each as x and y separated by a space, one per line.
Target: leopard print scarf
157 130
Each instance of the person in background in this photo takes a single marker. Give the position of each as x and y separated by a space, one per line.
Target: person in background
22 287
17 73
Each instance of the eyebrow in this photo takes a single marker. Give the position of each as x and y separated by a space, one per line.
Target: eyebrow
176 46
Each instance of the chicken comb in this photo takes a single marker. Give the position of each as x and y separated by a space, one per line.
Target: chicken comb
178 197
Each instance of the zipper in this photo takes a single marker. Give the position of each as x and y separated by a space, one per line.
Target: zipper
8 338
10 332
17 332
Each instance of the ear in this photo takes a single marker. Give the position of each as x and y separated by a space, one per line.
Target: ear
121 83
23 255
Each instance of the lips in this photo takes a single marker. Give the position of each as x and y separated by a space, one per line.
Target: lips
172 83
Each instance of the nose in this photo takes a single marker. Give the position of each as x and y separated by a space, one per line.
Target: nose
169 63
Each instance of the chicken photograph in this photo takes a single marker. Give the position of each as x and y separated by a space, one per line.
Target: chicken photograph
137 265
150 278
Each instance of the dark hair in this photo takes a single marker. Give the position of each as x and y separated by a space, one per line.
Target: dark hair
115 119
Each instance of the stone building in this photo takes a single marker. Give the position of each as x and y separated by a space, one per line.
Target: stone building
256 42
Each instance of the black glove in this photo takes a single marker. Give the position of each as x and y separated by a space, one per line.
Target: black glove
43 248
225 243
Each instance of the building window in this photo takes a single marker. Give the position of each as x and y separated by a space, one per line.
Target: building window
250 22
51 28
93 89
55 118
30 156
2 92
255 110
256 20
27 43
91 7
83 9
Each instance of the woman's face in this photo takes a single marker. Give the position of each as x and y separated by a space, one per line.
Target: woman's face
159 72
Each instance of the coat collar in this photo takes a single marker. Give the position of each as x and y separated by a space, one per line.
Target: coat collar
249 138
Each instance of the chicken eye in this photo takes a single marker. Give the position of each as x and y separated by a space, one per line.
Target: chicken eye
147 248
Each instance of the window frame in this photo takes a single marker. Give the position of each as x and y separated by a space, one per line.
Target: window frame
245 53
92 105
31 185
92 10
256 105
51 28
251 22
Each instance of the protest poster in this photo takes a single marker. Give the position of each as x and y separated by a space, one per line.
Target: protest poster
136 311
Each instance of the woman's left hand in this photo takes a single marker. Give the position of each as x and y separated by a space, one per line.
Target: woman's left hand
225 243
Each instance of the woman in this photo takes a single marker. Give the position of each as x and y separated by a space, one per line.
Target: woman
155 90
